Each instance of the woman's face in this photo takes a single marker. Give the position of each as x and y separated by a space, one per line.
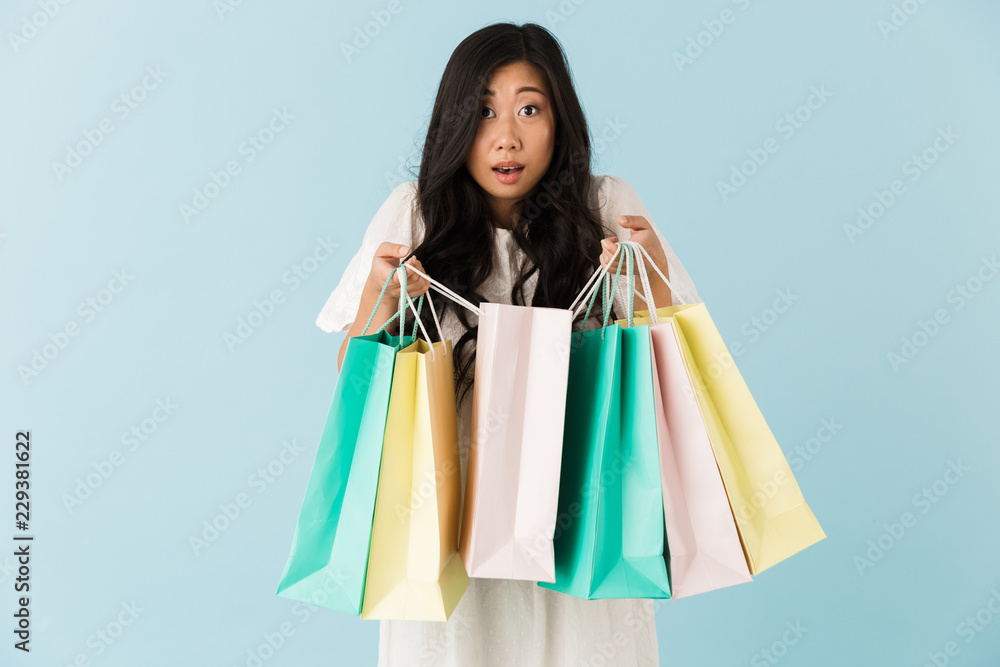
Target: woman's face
517 128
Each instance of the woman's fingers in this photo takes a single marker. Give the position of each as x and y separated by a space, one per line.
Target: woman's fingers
416 284
417 290
608 247
389 251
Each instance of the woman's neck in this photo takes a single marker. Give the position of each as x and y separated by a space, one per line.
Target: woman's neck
502 215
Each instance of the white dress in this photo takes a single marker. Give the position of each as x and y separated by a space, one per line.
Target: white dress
499 622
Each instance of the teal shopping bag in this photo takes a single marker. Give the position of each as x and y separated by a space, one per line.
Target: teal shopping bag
610 540
329 554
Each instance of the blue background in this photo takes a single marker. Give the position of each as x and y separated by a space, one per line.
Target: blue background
358 127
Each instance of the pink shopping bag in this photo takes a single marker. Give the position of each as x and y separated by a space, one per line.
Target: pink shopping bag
704 551
704 545
515 453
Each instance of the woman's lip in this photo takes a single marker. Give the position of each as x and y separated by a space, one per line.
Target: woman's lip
508 177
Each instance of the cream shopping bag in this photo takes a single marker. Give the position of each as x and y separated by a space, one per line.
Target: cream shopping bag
414 569
515 451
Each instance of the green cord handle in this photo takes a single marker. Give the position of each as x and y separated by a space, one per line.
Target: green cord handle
630 276
402 306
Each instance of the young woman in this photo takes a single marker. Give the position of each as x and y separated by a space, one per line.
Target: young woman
505 210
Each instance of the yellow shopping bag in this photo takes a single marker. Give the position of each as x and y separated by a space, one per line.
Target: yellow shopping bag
414 569
773 518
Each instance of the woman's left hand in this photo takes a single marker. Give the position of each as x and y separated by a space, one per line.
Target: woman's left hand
642 232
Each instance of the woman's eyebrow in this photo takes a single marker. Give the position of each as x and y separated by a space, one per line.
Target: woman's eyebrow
489 93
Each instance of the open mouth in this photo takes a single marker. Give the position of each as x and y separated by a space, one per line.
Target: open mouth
508 175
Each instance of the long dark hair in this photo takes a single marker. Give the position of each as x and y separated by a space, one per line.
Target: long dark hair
557 228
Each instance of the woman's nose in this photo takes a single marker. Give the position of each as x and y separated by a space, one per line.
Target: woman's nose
506 135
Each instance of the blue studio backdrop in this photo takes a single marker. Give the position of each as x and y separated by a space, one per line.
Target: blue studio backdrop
183 183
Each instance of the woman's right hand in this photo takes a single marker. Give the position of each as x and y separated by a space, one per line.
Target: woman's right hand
386 259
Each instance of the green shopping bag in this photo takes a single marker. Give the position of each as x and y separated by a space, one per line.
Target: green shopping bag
610 539
329 555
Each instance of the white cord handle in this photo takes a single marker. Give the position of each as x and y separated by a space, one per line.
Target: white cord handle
416 318
644 277
588 290
446 292
596 275
673 292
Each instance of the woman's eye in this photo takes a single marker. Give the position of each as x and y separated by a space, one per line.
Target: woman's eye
534 109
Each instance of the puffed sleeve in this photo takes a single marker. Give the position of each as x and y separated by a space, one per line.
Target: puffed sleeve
616 198
393 222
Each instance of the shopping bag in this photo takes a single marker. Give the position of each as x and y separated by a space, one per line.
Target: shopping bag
512 475
515 451
610 540
414 570
772 517
328 560
705 549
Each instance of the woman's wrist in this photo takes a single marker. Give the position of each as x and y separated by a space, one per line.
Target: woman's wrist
386 309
